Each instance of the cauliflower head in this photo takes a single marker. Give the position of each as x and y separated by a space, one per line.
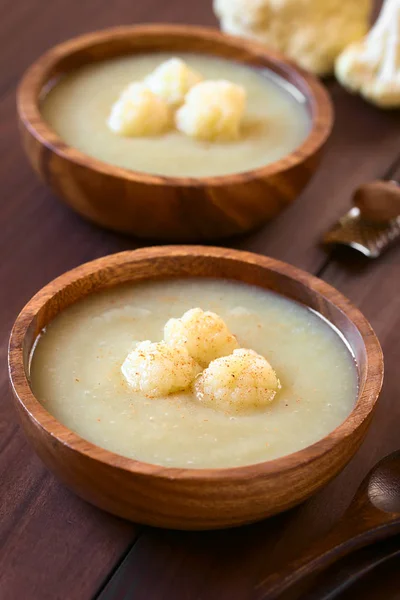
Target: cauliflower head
237 383
159 369
310 32
371 67
139 112
172 80
213 110
204 335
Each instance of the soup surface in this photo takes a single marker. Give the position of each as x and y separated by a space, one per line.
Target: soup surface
77 108
75 372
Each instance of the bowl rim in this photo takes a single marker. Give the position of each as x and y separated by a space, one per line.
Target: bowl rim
31 85
368 393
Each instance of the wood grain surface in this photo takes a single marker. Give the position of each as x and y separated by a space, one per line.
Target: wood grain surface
53 545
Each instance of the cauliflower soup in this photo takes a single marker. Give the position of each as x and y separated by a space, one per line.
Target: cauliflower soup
78 106
76 372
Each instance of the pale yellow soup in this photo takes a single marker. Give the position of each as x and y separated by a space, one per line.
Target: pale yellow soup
275 123
75 373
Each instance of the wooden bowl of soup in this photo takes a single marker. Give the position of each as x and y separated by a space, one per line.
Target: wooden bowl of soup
171 187
171 461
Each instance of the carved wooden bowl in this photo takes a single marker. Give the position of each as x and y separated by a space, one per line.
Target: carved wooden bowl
167 208
192 498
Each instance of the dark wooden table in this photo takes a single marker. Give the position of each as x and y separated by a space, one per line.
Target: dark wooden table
55 546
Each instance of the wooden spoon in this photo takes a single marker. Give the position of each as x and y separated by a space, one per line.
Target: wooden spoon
373 514
378 201
373 224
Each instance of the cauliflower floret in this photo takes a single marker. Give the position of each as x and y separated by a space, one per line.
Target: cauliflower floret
237 383
172 80
204 335
139 112
310 32
212 111
372 66
158 369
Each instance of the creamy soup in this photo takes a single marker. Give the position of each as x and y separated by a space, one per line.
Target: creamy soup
275 122
76 374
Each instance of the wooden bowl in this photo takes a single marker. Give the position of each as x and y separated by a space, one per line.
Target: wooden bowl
167 208
192 498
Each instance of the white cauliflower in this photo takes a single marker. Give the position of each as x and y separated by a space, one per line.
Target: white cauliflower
158 369
172 80
372 66
139 112
310 32
213 110
237 383
204 335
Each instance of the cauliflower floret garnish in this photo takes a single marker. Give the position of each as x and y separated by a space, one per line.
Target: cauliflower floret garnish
237 383
372 66
139 112
204 335
172 80
158 369
310 32
213 110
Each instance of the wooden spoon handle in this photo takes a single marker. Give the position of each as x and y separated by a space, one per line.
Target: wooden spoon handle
341 577
322 554
378 201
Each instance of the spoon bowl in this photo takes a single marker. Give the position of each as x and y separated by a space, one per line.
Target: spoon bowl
384 484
